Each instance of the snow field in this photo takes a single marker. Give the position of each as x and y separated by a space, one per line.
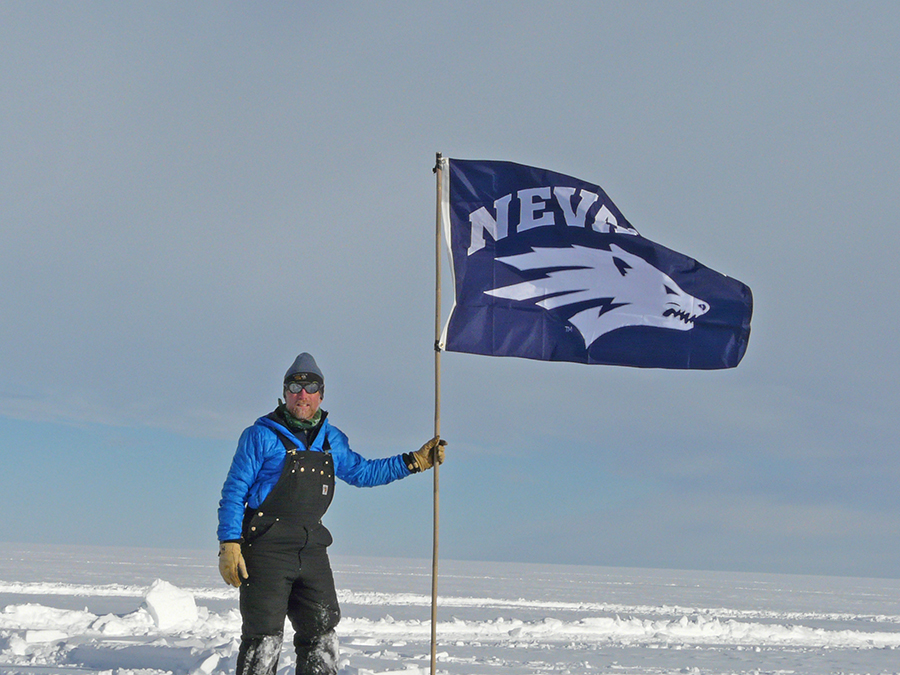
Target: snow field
538 619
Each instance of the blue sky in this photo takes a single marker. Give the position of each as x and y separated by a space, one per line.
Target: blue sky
191 195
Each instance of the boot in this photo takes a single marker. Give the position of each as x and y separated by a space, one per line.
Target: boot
259 655
318 657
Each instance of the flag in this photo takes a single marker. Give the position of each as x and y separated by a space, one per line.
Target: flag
546 267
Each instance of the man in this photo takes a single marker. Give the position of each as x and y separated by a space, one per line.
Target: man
272 543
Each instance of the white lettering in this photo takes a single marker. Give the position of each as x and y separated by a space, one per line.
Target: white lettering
481 220
574 217
604 221
535 210
531 202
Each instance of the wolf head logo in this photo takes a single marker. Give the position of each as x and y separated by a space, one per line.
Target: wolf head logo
619 289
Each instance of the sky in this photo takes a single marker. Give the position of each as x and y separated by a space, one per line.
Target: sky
191 195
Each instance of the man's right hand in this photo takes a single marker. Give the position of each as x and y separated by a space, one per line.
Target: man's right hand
231 563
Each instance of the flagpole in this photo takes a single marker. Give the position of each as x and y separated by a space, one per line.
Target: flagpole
437 406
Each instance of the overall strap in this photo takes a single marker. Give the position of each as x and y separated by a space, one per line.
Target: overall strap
289 444
326 446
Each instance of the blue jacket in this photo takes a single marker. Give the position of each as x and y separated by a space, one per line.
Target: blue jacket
260 457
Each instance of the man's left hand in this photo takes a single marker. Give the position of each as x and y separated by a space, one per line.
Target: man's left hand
425 456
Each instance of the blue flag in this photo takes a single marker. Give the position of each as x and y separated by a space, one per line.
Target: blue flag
546 267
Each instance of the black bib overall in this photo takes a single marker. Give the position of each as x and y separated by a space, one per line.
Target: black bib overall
289 575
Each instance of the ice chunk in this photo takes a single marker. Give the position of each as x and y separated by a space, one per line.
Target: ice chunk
49 635
207 666
170 606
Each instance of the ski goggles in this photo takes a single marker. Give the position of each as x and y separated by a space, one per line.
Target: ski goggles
308 387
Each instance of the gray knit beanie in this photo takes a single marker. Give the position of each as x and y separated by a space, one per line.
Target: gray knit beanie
304 369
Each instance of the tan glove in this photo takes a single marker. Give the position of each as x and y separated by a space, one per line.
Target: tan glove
231 562
424 457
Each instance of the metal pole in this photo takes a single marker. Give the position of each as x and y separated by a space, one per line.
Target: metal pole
438 170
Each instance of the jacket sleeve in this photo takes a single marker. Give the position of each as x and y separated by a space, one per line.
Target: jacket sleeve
245 466
353 468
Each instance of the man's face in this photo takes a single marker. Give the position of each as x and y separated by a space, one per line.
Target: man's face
302 405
